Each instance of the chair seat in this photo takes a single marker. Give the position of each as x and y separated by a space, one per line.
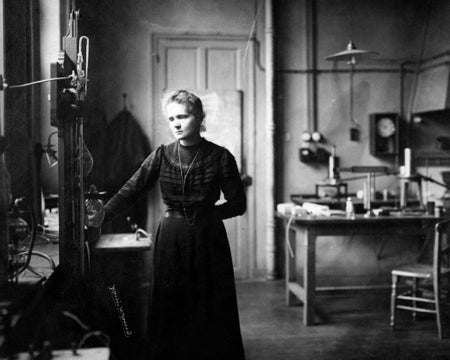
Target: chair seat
418 270
425 284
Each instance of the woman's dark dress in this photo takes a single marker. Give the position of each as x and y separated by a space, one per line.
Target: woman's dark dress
193 310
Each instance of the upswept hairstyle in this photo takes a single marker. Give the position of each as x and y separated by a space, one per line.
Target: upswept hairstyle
192 101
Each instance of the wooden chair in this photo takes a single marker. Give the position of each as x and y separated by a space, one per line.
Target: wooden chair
418 299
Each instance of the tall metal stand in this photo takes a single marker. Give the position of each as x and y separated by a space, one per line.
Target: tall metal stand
67 115
405 182
368 196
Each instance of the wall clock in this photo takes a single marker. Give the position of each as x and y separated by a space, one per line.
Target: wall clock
384 134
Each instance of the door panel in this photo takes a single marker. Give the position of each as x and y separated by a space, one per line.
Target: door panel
181 67
221 68
211 67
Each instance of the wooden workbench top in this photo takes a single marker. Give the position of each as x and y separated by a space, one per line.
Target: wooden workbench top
123 242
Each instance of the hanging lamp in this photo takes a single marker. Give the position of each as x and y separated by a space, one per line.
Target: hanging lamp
351 55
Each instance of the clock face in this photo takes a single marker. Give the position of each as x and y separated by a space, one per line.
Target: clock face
385 127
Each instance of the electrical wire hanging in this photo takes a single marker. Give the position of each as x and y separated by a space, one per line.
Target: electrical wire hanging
288 228
4 85
250 37
80 79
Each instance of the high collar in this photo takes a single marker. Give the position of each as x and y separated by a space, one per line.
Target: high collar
191 147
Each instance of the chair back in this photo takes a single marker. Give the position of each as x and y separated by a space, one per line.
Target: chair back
441 251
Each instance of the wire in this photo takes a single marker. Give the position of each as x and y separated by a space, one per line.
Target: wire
42 255
288 226
250 35
104 338
35 272
76 319
88 256
351 19
36 82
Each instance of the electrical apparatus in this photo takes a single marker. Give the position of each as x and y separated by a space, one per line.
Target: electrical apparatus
22 236
332 186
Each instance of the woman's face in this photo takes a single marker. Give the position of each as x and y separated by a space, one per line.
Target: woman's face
185 127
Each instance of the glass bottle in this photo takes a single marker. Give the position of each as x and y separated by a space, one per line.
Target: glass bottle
349 209
94 208
94 215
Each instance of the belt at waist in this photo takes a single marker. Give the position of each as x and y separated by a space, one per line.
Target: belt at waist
180 213
174 214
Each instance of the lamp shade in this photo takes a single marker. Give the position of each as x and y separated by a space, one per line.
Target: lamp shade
350 54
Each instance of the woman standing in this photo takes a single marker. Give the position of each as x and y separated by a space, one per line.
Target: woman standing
193 309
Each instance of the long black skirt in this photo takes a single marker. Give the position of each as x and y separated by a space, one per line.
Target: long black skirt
193 310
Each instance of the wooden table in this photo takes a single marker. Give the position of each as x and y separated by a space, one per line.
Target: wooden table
307 229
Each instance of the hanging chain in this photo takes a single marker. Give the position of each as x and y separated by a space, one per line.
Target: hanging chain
190 220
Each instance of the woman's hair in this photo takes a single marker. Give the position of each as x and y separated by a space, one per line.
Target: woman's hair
192 102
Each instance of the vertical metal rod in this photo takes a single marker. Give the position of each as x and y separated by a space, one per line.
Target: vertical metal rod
270 148
368 196
4 198
368 192
81 189
251 157
352 72
311 40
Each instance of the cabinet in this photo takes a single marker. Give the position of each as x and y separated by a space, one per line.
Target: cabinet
121 283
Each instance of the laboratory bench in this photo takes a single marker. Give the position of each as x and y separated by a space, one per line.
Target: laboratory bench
302 233
338 203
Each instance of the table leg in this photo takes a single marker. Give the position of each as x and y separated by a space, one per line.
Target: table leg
309 276
291 268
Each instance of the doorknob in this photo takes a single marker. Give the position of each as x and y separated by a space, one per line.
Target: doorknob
247 180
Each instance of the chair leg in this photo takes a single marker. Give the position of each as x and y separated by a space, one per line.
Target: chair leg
414 293
437 299
393 299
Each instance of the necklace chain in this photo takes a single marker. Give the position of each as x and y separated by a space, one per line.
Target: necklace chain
183 183
184 177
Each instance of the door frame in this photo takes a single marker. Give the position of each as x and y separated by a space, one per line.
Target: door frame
247 222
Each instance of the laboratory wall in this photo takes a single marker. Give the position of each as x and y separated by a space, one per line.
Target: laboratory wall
400 31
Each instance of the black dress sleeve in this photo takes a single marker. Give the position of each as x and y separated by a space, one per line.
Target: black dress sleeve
142 180
231 185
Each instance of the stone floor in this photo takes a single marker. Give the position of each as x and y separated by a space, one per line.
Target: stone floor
353 326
